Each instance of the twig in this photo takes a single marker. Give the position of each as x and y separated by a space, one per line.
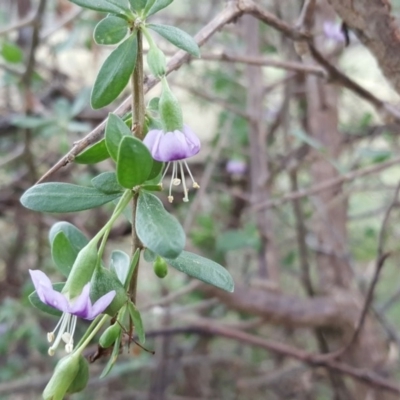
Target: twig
370 378
347 177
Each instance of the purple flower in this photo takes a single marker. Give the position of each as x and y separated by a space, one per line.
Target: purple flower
174 147
236 167
333 31
80 306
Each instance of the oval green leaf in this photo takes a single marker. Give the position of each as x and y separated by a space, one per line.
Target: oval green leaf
11 53
66 241
156 6
119 264
74 235
107 183
203 269
93 154
110 30
114 74
156 228
137 5
64 197
134 162
116 129
137 322
103 6
178 37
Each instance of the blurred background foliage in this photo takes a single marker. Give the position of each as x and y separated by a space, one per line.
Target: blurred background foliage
43 114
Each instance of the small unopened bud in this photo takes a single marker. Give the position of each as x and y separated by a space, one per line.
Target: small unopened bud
160 267
64 374
82 270
156 61
109 336
82 377
169 109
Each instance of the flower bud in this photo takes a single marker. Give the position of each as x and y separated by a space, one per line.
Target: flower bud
82 377
160 267
82 270
109 336
156 61
104 281
169 109
64 374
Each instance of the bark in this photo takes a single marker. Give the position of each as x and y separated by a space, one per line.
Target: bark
376 28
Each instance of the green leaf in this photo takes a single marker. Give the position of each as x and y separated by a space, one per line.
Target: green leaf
155 169
11 53
137 322
110 30
157 6
36 302
149 256
156 228
103 6
177 37
116 129
134 162
64 197
94 154
132 267
120 264
63 253
66 241
137 5
107 183
153 104
203 269
114 74
77 239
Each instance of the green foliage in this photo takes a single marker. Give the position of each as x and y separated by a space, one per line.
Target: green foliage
107 183
203 269
11 52
116 129
66 242
120 264
114 74
64 197
107 6
103 281
137 5
110 30
109 336
153 7
134 162
93 154
177 37
137 322
156 228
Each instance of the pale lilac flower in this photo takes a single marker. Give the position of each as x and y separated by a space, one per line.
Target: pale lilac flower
174 147
236 167
333 31
80 306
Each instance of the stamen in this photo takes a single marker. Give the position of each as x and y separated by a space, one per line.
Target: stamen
185 191
50 336
165 171
195 184
170 197
64 321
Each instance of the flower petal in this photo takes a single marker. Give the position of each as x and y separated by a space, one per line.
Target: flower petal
101 304
81 305
152 137
193 139
41 282
54 299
